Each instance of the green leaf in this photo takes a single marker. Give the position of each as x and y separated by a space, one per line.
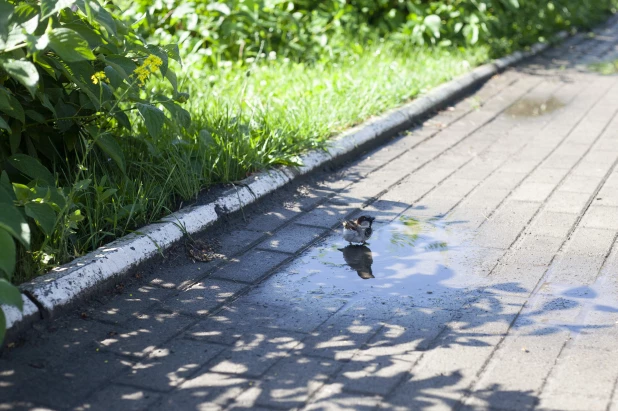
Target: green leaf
11 107
161 53
44 215
123 65
2 325
179 114
31 167
153 119
13 222
171 77
23 192
8 255
97 14
82 184
23 71
110 146
173 52
49 7
10 295
433 23
69 45
4 125
123 120
107 193
6 11
93 39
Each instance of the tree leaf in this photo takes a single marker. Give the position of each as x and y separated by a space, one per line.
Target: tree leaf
49 7
153 119
69 45
10 295
32 168
23 71
8 255
13 222
44 215
6 12
110 146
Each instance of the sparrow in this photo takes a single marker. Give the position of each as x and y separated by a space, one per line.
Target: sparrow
358 231
360 259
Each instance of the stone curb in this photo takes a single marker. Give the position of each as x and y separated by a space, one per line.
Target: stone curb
50 293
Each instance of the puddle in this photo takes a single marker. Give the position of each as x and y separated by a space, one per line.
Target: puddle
409 260
529 107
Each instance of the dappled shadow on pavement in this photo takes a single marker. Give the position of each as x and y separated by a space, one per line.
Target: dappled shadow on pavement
317 335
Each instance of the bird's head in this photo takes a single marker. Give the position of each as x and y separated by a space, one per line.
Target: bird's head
364 220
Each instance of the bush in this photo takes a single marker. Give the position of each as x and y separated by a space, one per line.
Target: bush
237 30
71 74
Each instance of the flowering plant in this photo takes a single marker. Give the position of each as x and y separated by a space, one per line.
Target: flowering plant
71 74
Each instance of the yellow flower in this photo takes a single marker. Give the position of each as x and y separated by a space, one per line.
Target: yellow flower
153 62
99 76
150 65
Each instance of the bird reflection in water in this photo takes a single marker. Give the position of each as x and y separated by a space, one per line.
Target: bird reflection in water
359 257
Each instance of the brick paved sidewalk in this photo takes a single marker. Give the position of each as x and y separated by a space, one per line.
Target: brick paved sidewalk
494 286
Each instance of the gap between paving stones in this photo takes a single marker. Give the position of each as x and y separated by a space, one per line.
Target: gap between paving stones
68 284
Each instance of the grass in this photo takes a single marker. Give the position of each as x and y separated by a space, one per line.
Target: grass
244 119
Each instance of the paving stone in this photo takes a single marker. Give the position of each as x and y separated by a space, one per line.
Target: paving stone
69 384
340 337
247 317
601 217
404 336
205 391
407 193
511 217
566 202
169 365
237 241
202 298
579 184
181 276
252 355
251 266
552 224
326 215
591 241
144 333
332 398
120 398
291 382
291 239
129 304
373 375
534 192
273 219
582 373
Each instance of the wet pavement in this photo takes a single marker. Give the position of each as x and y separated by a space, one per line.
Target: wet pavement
489 281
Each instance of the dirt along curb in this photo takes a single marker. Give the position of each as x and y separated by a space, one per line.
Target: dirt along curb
49 294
